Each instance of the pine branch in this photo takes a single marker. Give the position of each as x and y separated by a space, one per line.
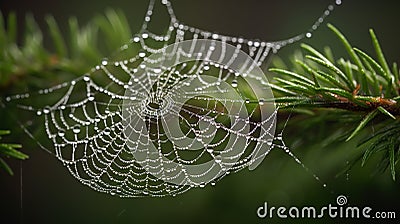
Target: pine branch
25 64
29 65
357 85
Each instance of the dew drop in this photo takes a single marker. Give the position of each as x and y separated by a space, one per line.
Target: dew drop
308 35
261 102
46 110
104 62
76 129
90 97
142 54
136 39
106 131
247 101
38 112
212 183
145 35
61 133
234 84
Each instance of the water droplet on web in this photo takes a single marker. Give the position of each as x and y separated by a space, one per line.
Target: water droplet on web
46 110
157 70
261 102
234 84
76 129
145 35
38 112
136 39
202 185
142 54
104 62
106 131
308 35
247 101
61 133
90 97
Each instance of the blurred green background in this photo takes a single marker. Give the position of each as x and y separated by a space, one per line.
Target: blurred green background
51 195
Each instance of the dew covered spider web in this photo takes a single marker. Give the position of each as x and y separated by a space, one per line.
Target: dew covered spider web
167 113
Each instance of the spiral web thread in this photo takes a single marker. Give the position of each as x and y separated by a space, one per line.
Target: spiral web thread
137 126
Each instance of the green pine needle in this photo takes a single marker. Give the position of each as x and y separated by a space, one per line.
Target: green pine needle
362 124
9 150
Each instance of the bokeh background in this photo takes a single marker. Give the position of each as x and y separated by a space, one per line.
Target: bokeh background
51 195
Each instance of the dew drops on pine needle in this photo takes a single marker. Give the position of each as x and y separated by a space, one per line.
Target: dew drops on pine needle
186 109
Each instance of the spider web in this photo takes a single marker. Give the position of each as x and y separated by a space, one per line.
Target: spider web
167 113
